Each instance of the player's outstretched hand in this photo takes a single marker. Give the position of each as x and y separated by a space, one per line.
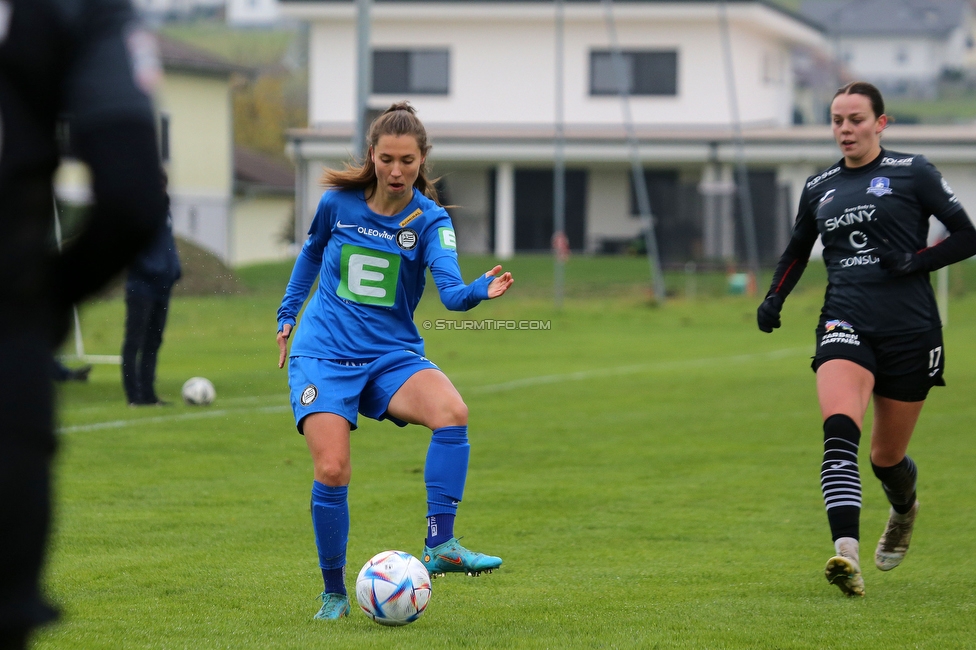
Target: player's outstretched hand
768 313
283 344
500 284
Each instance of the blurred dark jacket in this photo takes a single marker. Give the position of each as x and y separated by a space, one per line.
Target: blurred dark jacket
157 268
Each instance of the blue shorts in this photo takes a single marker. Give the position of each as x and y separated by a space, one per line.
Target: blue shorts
349 387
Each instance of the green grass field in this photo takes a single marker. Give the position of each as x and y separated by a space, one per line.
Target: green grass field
649 475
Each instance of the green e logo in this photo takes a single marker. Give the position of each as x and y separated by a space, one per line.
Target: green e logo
367 276
447 238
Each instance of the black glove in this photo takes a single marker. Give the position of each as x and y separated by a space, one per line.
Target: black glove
898 263
768 313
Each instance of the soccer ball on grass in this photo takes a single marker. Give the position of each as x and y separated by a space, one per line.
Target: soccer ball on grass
198 391
393 588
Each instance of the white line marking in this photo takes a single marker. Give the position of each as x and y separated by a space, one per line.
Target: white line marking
120 424
515 384
633 370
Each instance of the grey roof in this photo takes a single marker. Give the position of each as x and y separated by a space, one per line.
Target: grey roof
929 18
176 55
767 3
260 173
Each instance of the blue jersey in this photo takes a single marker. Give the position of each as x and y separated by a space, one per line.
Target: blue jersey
372 271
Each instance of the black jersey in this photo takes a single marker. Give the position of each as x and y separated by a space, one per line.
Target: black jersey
857 212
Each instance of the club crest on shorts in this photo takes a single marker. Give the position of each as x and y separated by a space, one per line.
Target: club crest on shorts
406 238
880 186
309 395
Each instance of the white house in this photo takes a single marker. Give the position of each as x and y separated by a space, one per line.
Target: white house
902 46
481 75
161 8
252 13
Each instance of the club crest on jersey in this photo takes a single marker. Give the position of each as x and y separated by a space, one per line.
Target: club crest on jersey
880 186
309 395
406 238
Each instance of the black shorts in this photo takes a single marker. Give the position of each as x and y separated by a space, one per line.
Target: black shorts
905 366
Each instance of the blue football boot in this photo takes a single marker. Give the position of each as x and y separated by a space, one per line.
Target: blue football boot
334 606
451 557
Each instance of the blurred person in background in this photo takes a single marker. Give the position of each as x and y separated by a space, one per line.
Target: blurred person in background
147 291
879 335
83 59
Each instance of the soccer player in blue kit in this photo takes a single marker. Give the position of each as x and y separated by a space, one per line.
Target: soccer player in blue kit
879 334
377 229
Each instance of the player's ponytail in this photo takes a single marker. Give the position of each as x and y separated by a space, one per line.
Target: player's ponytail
399 119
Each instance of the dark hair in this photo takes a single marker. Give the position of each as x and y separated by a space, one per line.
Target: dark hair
399 119
868 90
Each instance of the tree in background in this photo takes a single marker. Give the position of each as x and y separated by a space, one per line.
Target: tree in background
265 107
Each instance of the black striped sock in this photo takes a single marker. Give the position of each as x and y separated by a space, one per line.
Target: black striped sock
899 482
840 479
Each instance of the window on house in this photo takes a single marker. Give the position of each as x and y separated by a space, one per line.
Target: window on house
646 72
901 55
414 72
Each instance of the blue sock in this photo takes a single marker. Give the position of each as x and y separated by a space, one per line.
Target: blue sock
335 580
445 472
440 528
330 519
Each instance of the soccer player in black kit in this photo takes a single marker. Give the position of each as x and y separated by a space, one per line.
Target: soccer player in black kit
83 59
879 330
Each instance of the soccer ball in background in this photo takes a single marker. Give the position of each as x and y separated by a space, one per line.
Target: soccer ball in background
198 391
393 588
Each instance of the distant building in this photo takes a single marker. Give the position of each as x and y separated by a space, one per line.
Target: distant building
197 134
252 13
902 46
263 227
481 74
178 8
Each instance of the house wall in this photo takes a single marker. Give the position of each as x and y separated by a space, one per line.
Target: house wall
470 191
201 156
608 206
502 62
892 58
260 229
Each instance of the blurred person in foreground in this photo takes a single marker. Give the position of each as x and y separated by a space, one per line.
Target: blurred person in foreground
880 337
147 292
83 59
